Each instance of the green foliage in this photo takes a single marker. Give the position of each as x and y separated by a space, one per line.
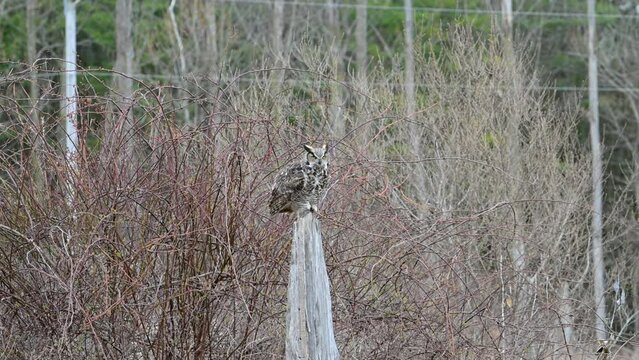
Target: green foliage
152 36
491 140
563 166
606 7
430 26
96 33
13 37
568 69
291 120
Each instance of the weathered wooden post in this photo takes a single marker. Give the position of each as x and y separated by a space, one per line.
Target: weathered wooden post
309 321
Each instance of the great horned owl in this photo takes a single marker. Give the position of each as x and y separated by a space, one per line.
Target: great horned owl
301 186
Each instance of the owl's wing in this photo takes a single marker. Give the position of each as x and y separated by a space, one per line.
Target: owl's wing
286 184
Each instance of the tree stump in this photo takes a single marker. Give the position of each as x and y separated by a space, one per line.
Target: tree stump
309 320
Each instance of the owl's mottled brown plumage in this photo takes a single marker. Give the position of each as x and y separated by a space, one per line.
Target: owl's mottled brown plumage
301 186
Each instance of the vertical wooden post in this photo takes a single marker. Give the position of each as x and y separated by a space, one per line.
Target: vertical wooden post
309 321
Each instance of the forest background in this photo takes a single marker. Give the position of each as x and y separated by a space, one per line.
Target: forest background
459 219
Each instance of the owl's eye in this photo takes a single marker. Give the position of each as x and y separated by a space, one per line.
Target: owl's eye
310 157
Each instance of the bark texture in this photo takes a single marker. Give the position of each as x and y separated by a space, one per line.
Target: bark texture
309 320
597 179
124 66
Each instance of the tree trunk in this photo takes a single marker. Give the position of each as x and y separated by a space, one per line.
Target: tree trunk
566 319
178 38
365 130
124 65
70 103
278 29
409 93
180 48
597 179
309 320
518 251
507 17
336 114
409 81
32 54
37 130
281 60
211 35
361 38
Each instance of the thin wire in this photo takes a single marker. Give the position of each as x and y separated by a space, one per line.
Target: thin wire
436 9
107 74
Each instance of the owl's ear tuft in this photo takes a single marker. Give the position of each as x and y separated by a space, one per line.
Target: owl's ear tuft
308 148
325 147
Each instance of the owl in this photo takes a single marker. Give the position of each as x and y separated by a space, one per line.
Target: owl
300 187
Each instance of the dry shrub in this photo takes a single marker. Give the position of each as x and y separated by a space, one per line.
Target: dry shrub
165 248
